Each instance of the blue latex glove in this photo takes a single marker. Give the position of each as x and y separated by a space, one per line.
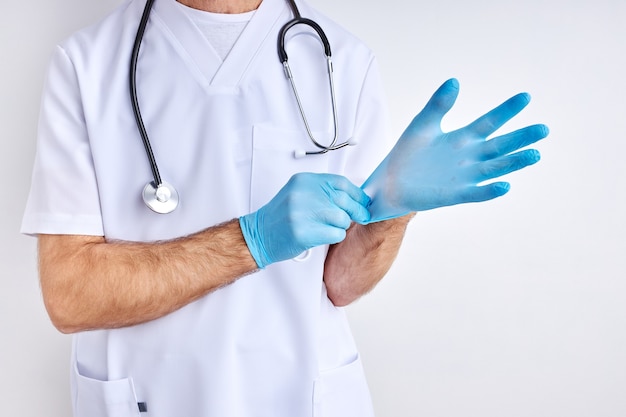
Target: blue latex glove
428 168
309 211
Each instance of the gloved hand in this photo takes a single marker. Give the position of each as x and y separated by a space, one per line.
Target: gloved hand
310 210
428 168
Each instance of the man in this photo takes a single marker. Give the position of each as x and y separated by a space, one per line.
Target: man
164 325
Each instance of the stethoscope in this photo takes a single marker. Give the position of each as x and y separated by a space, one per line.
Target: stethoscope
160 196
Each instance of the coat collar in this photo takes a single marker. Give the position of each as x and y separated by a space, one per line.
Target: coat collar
190 41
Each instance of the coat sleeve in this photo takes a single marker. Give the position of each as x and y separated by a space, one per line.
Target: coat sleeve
63 197
371 129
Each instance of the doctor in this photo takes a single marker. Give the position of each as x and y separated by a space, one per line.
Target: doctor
228 306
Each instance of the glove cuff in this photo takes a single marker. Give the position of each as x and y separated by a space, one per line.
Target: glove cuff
248 225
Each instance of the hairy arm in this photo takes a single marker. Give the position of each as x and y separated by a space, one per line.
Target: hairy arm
354 266
88 283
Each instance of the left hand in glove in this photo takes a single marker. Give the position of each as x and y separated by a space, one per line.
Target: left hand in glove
429 168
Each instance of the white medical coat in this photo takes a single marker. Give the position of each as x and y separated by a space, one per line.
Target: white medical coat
271 344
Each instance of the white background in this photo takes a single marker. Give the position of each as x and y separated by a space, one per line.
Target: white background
514 307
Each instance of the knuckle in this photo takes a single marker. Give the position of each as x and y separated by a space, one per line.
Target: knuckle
297 178
341 199
342 181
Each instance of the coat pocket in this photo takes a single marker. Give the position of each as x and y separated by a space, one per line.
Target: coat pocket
95 398
342 392
274 161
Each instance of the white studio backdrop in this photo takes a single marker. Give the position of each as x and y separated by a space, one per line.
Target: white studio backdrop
515 307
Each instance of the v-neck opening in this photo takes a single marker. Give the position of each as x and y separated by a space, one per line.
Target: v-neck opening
198 52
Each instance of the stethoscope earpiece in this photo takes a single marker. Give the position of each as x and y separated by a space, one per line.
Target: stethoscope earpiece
299 153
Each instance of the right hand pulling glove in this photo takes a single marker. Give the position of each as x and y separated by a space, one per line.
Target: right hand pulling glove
310 210
428 168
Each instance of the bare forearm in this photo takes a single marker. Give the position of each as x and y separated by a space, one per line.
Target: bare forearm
354 266
88 283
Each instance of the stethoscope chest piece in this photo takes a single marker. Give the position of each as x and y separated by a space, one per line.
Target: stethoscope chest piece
161 199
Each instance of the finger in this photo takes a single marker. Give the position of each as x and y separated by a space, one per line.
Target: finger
439 104
501 166
503 145
334 217
485 192
340 183
321 234
356 211
493 120
332 235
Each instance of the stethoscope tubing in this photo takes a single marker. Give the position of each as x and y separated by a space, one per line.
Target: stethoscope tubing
284 59
162 197
134 97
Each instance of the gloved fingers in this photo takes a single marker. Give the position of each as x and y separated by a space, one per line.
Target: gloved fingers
334 235
330 236
505 144
506 164
322 227
439 104
341 184
355 210
335 218
486 192
494 119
